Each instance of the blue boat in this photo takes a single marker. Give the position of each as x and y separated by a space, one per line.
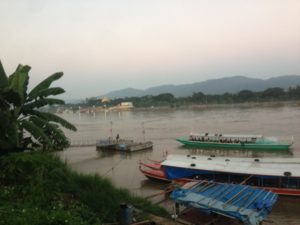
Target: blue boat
247 204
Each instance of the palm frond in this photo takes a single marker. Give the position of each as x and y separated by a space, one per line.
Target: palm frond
45 83
42 102
38 121
8 129
58 137
53 131
11 96
46 92
53 118
36 131
3 77
18 81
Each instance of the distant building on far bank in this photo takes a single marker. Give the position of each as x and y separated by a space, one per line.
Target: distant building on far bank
104 99
123 106
127 104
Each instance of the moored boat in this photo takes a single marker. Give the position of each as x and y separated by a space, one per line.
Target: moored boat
110 144
122 145
281 175
233 141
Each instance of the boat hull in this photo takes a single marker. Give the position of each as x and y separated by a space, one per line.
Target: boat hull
153 175
163 173
252 146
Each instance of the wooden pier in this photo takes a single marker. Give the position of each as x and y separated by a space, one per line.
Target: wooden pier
83 143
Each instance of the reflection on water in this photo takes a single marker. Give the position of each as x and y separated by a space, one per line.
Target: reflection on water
123 155
163 127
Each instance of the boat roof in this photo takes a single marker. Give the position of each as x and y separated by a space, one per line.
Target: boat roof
245 203
251 166
226 135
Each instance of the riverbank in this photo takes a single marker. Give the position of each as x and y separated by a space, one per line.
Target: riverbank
38 188
222 106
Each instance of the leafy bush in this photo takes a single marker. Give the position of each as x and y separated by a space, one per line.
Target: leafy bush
38 188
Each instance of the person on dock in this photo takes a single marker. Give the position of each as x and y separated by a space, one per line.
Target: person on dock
117 137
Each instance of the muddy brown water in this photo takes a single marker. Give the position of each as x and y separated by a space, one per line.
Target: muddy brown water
162 127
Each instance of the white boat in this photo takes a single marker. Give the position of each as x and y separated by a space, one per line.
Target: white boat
250 166
235 141
281 175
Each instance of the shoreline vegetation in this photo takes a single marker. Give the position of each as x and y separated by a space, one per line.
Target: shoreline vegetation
268 98
38 188
227 105
267 104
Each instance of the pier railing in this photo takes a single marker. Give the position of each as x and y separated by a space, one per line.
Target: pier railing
83 142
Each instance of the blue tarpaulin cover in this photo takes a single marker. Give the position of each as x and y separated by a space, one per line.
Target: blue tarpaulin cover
247 204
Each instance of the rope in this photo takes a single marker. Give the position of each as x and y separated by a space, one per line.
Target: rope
169 189
113 167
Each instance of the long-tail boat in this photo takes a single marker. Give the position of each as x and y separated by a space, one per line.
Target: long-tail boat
280 175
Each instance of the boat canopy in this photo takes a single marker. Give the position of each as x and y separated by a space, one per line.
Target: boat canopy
247 204
253 166
232 136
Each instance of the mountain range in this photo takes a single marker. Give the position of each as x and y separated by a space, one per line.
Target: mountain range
213 86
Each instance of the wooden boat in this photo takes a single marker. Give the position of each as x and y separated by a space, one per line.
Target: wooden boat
232 141
280 175
132 147
155 166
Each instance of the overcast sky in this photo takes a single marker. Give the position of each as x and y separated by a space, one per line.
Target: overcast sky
105 45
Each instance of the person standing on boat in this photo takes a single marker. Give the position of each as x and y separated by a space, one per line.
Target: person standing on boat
117 137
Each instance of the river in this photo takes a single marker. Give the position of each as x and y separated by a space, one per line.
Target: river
163 126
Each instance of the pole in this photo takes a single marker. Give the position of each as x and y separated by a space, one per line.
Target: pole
111 130
143 127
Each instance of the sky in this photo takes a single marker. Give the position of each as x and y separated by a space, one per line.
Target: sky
106 45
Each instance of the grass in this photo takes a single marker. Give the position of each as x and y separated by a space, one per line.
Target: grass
38 188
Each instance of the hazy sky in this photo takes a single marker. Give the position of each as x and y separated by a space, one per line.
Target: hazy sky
108 45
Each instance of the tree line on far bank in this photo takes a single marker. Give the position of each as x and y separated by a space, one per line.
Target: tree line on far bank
199 98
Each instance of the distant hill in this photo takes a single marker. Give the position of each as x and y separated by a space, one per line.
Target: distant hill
213 86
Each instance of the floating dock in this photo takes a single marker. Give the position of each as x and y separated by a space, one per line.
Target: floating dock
123 145
134 146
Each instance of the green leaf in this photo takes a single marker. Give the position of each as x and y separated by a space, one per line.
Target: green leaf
3 77
18 81
54 118
45 84
42 102
13 97
9 129
53 131
37 132
46 92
